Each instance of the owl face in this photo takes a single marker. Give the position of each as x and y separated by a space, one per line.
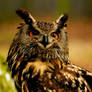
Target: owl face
44 37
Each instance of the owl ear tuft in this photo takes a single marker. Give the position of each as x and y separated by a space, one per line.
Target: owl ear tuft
62 19
25 15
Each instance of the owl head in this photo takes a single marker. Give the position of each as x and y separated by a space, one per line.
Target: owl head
43 40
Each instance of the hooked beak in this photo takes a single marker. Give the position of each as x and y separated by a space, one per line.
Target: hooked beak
45 40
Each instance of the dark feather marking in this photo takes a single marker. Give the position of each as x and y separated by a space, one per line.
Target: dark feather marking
24 15
34 83
77 83
64 18
77 74
20 69
82 86
30 71
18 88
88 79
14 49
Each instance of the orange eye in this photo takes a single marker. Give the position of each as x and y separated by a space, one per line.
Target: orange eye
55 35
31 34
35 32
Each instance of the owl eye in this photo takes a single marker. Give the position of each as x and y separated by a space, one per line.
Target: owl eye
55 35
31 34
34 32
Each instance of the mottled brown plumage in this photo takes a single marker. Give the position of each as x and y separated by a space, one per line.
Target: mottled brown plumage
38 58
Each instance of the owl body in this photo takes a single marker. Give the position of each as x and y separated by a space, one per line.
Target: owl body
39 59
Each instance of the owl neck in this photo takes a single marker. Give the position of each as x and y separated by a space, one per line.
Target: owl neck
58 60
51 54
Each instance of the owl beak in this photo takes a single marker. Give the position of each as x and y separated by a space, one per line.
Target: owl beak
45 40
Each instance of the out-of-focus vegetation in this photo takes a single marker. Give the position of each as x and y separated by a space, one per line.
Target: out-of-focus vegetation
75 8
6 83
79 29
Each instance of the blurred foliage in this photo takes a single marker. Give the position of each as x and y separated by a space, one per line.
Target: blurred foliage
74 8
63 6
6 83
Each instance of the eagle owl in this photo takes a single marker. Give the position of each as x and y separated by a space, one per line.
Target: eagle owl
38 58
